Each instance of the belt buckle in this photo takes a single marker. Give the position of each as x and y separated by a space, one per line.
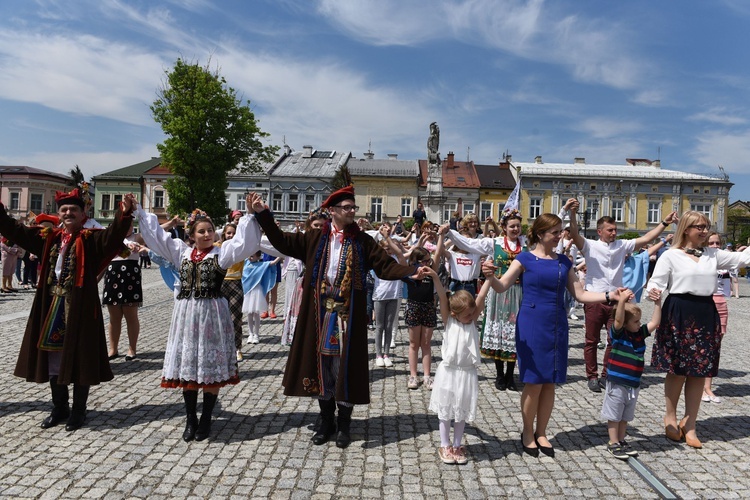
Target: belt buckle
330 304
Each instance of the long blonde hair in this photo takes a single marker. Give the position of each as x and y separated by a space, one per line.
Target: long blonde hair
688 219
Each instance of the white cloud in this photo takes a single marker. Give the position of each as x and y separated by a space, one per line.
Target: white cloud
604 128
80 74
730 150
718 115
91 163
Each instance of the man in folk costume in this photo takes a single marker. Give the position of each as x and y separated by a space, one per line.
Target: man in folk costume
328 357
64 340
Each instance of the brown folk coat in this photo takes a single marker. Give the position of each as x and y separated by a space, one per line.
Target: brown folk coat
353 384
84 353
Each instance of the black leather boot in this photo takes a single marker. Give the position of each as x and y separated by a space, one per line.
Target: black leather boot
191 405
78 414
204 426
509 381
327 424
344 422
500 379
60 409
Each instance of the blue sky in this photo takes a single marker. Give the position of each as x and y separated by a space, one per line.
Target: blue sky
562 79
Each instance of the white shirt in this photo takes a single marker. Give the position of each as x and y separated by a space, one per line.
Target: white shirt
678 272
464 266
604 263
387 289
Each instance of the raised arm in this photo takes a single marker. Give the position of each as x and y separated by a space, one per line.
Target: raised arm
655 316
246 240
445 309
500 285
620 311
655 232
579 240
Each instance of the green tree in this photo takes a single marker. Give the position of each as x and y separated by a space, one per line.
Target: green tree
341 178
210 132
76 177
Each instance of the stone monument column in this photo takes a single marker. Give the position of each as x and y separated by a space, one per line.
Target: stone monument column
434 198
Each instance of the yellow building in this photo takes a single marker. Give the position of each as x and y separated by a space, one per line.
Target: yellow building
385 188
496 182
638 194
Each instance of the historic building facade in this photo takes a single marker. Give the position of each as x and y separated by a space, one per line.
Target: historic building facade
637 194
496 182
385 188
26 189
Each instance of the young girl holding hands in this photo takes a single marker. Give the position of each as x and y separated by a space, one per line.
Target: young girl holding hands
456 387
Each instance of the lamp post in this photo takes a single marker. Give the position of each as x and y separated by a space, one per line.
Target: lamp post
48 210
587 215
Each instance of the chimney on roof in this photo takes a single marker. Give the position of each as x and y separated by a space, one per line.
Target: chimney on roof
307 151
656 163
369 155
449 160
538 159
580 161
393 156
287 150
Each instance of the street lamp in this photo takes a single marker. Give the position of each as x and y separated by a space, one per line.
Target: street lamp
588 215
48 210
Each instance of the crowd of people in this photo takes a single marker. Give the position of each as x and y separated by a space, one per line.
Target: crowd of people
499 294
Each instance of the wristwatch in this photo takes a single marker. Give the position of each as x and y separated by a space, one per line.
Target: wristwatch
665 224
606 296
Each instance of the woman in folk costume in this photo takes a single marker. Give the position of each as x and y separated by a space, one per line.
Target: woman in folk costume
258 277
328 358
64 340
498 339
200 351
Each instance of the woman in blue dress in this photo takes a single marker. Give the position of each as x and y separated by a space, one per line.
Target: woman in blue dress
542 324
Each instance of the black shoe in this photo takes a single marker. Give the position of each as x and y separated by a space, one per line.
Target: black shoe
534 452
204 426
190 428
113 356
327 422
603 381
130 358
546 450
500 384
324 433
616 450
594 385
76 420
57 416
343 439
629 451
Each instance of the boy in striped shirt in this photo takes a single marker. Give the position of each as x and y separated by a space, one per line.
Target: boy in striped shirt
628 340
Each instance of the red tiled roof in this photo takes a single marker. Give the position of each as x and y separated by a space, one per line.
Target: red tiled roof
461 175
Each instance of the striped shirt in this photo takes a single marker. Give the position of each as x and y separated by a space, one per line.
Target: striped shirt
626 359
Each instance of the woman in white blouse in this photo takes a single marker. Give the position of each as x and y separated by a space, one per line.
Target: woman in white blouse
688 340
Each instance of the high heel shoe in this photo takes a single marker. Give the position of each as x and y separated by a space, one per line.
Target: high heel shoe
534 452
674 433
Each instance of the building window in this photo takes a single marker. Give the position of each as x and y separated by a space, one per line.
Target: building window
535 207
276 202
618 211
469 208
37 200
158 198
448 211
500 208
376 209
654 212
405 207
241 204
227 203
106 202
705 209
309 203
592 207
15 201
485 210
118 200
293 203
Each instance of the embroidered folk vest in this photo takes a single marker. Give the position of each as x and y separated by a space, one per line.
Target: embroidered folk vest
201 279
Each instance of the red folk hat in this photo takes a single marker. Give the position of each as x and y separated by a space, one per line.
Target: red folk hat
72 198
346 193
42 218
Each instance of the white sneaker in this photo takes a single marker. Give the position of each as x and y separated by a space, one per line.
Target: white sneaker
379 362
573 316
256 339
393 344
387 361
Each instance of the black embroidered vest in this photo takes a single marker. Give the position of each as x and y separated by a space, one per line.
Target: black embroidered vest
202 280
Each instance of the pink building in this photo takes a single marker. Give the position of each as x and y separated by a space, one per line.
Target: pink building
26 189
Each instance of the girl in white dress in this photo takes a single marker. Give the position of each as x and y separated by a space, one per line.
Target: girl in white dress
200 351
456 386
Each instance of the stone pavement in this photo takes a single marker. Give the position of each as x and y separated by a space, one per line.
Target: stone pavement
260 446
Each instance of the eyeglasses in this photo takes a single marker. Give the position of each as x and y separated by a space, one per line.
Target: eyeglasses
699 227
426 261
714 243
347 208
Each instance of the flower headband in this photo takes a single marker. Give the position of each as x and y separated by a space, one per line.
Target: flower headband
509 214
195 217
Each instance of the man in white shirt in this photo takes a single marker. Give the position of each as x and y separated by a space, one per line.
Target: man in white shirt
605 259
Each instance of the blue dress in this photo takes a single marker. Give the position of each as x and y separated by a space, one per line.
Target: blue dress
542 325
